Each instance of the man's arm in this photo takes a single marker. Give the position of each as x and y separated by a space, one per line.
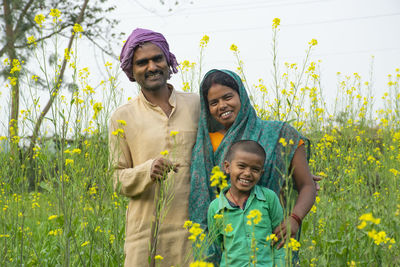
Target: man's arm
129 180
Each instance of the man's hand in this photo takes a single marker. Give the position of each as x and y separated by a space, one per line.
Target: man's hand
316 179
160 167
281 231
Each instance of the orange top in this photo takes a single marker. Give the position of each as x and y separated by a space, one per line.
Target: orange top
216 139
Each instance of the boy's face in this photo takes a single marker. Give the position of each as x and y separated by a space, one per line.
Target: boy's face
245 170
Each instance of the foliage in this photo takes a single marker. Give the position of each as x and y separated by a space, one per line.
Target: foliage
73 217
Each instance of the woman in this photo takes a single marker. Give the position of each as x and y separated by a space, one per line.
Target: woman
227 116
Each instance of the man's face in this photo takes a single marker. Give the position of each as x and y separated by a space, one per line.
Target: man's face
150 67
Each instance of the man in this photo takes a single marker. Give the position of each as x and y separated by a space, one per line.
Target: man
146 123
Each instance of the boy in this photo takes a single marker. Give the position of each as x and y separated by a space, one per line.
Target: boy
239 231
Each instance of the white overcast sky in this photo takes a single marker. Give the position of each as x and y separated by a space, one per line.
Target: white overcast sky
349 32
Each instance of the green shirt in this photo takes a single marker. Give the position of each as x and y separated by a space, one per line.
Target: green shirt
236 245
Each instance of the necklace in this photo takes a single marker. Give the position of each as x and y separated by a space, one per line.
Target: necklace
234 199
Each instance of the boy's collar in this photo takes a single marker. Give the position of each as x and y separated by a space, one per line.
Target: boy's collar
256 191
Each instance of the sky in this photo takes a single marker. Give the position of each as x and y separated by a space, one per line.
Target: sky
349 33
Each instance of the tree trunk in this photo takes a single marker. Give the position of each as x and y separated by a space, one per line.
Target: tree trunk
11 53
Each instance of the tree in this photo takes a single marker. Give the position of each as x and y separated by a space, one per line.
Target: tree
19 18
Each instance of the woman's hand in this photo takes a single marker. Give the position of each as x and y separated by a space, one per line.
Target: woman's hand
282 231
316 179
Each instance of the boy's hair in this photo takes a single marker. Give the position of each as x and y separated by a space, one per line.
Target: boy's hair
249 146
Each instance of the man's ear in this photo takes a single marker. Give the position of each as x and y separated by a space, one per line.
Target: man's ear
227 164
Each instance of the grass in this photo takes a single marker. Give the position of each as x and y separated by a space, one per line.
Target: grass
72 217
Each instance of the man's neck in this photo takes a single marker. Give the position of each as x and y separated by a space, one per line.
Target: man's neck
159 98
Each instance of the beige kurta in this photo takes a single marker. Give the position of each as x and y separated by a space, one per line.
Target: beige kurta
146 134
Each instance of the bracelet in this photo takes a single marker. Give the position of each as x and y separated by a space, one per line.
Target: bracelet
296 218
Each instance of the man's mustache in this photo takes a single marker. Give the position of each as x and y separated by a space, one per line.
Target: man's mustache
152 73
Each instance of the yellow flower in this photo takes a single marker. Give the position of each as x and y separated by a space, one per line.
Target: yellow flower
195 230
218 178
368 217
228 228
173 133
254 217
187 224
55 13
164 153
204 41
234 48
118 132
16 66
201 264
158 257
52 217
283 141
77 28
69 161
97 107
76 150
84 244
218 216
294 244
31 40
121 122
313 42
272 237
276 22
39 19
313 209
362 225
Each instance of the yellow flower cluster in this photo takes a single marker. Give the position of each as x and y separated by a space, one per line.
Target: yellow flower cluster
96 108
204 41
118 132
52 217
195 230
218 178
31 40
272 237
55 13
56 232
39 19
74 151
381 238
294 244
275 23
69 162
16 66
283 141
77 28
313 42
234 48
122 122
158 257
254 217
173 133
367 217
201 264
228 228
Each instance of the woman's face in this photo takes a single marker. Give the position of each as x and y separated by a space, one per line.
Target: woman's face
224 104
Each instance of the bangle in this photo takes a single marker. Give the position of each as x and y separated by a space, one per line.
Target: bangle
296 218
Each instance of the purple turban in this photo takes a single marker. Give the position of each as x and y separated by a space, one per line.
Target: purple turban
139 37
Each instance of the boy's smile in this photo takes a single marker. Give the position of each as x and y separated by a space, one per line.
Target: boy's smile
245 170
